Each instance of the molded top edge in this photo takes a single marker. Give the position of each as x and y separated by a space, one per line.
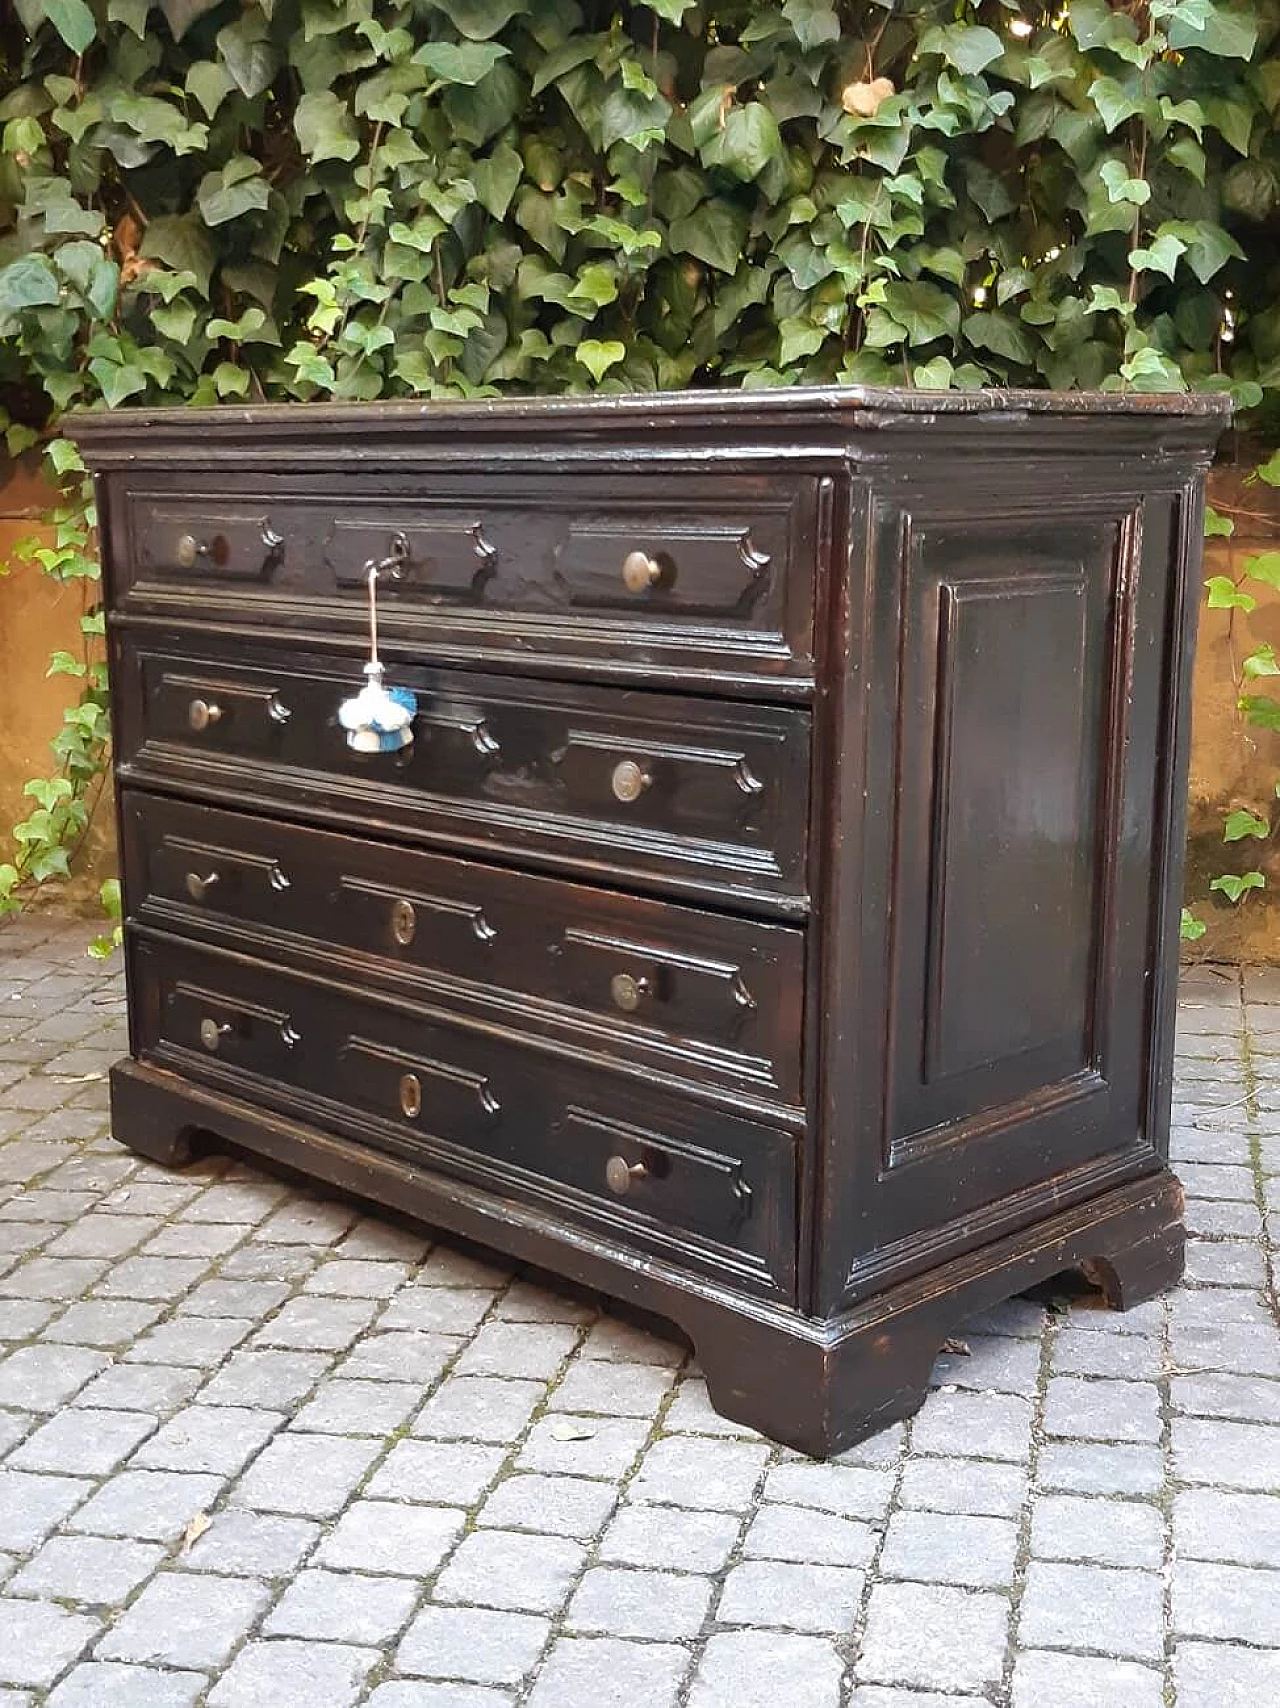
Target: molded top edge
853 406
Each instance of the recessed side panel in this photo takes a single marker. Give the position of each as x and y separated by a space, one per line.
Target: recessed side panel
993 926
1001 793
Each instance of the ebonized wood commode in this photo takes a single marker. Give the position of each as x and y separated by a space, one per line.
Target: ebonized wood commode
773 920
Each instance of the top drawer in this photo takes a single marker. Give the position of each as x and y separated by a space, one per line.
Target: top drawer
708 579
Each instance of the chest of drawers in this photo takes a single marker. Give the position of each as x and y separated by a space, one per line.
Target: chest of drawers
773 919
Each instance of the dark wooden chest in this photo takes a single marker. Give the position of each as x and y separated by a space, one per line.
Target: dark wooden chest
773 919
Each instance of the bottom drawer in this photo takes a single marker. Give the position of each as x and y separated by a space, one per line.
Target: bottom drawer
703 1189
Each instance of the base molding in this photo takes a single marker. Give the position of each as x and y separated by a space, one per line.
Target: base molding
816 1385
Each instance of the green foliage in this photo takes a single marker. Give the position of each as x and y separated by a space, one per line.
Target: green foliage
209 200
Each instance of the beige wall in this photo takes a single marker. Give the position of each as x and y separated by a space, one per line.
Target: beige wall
1230 764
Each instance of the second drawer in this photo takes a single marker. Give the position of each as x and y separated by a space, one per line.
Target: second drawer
694 994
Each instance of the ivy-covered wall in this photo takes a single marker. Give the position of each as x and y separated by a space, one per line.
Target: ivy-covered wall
225 199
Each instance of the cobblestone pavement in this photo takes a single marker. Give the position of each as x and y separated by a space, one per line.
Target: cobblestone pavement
261 1450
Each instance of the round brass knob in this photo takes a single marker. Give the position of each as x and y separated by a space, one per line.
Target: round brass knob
197 887
202 713
277 711
640 571
290 1036
212 1032
619 1174
627 992
410 1096
404 922
630 780
278 881
187 551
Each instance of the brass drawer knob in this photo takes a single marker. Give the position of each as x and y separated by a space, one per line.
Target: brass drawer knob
202 713
404 922
290 1036
197 887
640 571
188 549
277 711
629 780
212 1032
410 1096
628 992
620 1174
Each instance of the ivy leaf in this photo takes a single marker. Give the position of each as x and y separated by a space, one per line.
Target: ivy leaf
324 127
1234 888
567 57
1160 257
1216 526
968 48
746 144
1242 823
465 63
1191 928
209 83
1265 567
1263 662
495 179
923 311
249 54
1228 34
1188 154
1270 470
1121 187
479 20
1224 595
714 233
598 357
1001 334
813 21
478 111
118 381
1113 102
181 242
238 189
131 13
73 21
28 282
181 14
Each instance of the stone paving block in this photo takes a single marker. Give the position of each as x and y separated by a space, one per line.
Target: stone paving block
624 1342
402 1695
308 1221
1225 1263
793 1597
980 1487
478 1408
102 1236
1216 1180
357 1278
317 1325
932 1547
248 1300
194 1239
595 1672
1093 1315
933 1637
21 1318
1235 1455
1103 1410
402 1356
763 1669
42 1378
343 1607
662 1606
1097 1608
155 1388
1220 1218
197 1342
285 1674
1102 1532
614 1390
435 1472
1128 1356
237 1201
252 1544
1220 1675
152 1277
310 1476
691 1412
153 1506
88 1569
473 1644
83 1442
386 1537
539 1296
555 1506
372 1236
1231 1603
19 1238
799 1534
1236 1528
32 1505
209 1438
885 1696
1045 1680
509 1570
1086 1468
720 1475
276 1380
673 1539
14 1425
38 1640
103 1322
258 1261
185 1619
977 1426
846 1489
439 1310
518 1349
992 1364
358 1408
596 1446
1246 1349
1248 1399
112 1684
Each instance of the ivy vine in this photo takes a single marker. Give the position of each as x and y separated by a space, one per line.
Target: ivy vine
228 200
